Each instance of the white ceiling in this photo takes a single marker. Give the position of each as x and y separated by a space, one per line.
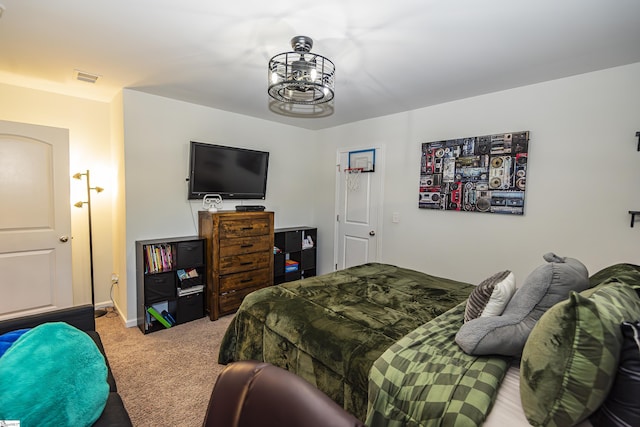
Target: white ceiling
390 56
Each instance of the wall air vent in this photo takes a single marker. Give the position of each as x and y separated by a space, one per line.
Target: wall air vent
85 77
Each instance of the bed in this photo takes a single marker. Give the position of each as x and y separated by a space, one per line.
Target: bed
373 336
330 329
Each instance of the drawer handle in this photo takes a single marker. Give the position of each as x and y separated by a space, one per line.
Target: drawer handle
247 246
246 281
246 263
247 228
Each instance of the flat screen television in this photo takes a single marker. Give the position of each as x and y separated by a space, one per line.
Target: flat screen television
231 172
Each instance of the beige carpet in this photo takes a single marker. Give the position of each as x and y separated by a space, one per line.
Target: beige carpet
166 377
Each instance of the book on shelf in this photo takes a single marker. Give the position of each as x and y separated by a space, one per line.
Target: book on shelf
187 273
168 317
152 311
158 257
290 266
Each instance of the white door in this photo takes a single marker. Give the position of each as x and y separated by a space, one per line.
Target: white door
358 211
35 219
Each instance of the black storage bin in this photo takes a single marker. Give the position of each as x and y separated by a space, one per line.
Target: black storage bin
189 254
189 282
292 241
308 259
190 307
158 287
294 275
278 264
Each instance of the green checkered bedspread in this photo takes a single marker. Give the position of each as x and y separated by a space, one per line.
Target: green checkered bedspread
425 379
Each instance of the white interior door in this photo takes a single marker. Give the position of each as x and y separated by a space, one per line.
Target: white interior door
35 219
358 214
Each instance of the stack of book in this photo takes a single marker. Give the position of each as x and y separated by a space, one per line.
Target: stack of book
290 266
158 258
165 318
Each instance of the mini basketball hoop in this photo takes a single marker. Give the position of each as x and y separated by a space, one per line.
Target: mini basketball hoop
353 178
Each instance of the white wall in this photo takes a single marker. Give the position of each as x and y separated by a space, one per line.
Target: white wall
89 148
583 178
157 132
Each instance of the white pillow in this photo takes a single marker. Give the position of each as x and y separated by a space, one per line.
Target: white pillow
491 296
502 293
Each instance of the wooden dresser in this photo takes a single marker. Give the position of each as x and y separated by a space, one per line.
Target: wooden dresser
239 250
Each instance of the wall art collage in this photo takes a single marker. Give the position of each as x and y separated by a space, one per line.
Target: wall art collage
476 174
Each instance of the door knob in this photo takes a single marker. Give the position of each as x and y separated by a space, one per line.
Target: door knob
372 233
64 239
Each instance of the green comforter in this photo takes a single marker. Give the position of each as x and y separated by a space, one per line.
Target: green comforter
330 329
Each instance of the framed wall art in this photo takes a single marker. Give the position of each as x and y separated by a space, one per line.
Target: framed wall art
476 174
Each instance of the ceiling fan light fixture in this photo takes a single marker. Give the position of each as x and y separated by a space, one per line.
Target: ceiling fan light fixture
301 77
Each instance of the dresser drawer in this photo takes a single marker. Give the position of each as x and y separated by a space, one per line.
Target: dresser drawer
237 263
230 228
248 279
245 245
230 302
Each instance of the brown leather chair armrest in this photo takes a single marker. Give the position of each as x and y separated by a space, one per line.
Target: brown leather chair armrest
258 394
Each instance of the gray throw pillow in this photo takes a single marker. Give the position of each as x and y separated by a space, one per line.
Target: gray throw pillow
545 286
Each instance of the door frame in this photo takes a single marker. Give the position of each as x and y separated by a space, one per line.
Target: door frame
380 168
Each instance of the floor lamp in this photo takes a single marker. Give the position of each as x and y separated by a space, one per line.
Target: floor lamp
99 312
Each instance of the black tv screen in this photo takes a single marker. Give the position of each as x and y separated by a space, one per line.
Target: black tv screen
231 172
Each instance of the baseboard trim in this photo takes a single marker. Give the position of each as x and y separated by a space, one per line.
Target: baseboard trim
112 304
130 323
